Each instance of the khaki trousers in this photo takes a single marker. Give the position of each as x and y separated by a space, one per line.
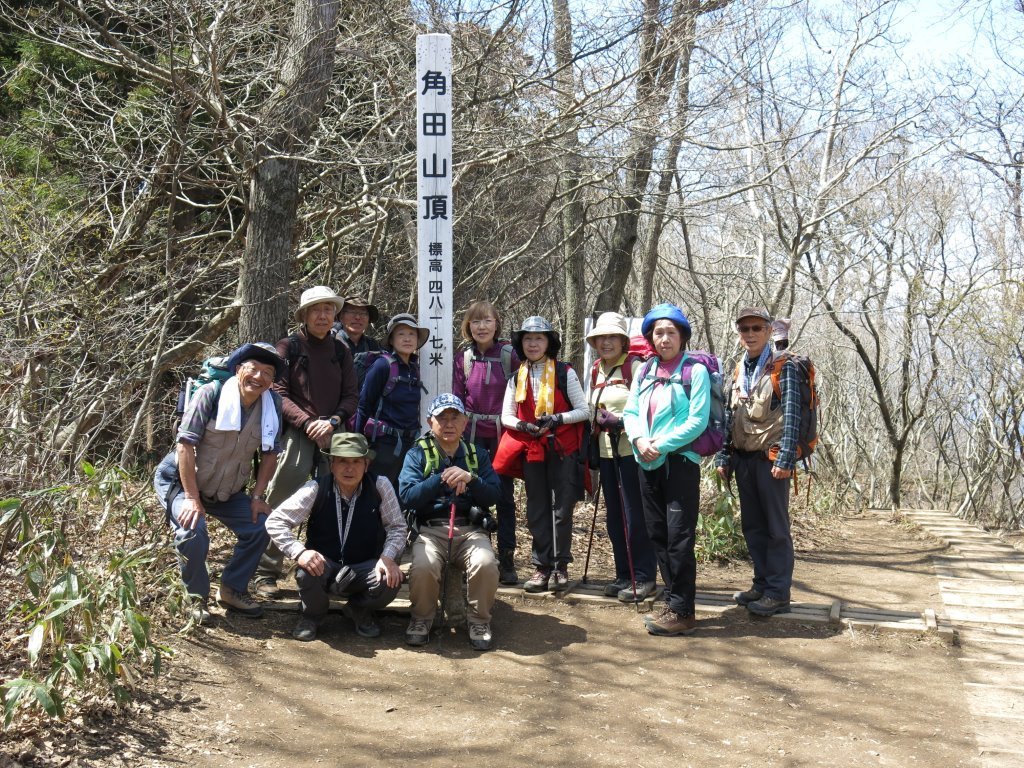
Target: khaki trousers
471 553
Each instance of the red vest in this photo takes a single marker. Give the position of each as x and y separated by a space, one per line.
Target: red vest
515 446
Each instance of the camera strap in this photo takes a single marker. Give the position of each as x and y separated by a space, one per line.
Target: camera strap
346 511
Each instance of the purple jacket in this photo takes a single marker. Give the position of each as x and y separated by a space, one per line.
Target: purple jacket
483 391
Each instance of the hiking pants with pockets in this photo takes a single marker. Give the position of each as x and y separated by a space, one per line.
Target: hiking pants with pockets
764 510
294 467
671 498
366 591
193 545
506 506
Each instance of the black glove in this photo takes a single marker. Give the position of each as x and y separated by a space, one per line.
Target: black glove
549 422
530 429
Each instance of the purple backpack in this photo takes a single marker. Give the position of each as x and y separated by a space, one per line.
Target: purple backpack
711 440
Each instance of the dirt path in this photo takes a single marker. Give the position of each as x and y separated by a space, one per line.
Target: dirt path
578 685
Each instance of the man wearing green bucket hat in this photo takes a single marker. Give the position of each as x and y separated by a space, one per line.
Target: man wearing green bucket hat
355 536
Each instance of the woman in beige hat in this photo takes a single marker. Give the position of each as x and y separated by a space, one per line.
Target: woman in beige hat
614 371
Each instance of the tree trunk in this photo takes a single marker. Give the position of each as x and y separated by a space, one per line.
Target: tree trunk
659 58
287 123
570 216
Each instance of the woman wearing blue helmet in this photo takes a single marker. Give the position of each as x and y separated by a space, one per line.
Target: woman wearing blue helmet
663 418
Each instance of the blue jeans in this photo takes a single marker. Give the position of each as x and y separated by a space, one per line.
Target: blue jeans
621 488
194 545
506 506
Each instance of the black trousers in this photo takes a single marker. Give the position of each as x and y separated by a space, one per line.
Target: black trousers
553 487
365 591
671 499
764 511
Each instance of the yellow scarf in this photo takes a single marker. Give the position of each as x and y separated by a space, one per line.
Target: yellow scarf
543 401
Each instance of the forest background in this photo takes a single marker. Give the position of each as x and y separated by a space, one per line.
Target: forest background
174 172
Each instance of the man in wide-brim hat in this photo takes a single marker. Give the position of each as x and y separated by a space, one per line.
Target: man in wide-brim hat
352 323
320 393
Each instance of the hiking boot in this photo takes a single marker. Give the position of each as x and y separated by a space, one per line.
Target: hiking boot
613 589
652 618
305 629
559 581
538 582
507 568
644 589
768 606
267 587
480 636
745 598
241 602
418 632
200 611
671 624
365 621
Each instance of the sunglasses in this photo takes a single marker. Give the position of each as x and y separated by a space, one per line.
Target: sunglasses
751 328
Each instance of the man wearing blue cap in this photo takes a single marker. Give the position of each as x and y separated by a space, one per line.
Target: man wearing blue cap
207 473
441 470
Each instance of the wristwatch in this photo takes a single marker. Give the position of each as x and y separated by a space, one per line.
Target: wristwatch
260 497
335 422
473 476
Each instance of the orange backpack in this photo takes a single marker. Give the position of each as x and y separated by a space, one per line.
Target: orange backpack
807 440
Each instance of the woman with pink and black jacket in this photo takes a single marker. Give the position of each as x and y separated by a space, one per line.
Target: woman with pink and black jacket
482 369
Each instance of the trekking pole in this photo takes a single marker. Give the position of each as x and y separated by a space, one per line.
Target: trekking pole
625 521
444 575
593 522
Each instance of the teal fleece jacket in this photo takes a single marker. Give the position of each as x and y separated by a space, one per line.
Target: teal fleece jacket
678 420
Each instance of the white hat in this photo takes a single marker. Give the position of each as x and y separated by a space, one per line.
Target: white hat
317 295
608 324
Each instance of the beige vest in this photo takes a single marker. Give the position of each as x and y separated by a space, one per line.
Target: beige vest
224 458
756 425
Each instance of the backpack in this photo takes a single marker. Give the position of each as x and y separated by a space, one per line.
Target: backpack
505 358
212 370
626 370
433 455
640 347
807 440
373 427
711 440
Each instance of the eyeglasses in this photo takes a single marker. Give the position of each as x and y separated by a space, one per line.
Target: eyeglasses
356 313
751 328
482 322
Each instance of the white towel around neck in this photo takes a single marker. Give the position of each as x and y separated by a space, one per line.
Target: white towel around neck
229 413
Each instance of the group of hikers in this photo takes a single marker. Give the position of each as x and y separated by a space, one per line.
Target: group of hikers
333 417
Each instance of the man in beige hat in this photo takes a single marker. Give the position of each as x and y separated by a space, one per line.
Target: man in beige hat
319 390
355 316
355 535
760 451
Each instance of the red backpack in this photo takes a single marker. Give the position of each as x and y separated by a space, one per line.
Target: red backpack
639 350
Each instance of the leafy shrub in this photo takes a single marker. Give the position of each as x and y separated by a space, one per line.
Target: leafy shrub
85 621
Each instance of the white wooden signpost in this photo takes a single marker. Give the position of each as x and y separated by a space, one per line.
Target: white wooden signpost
435 211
